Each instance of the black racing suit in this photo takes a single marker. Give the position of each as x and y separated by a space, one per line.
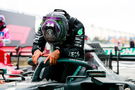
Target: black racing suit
73 47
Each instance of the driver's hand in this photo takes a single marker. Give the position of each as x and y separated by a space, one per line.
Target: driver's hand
36 55
53 57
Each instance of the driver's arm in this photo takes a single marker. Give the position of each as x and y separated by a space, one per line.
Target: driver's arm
38 46
39 41
76 49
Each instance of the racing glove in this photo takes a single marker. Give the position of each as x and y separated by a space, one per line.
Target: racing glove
53 57
36 55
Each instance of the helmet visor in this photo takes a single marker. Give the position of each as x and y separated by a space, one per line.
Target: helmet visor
54 28
51 30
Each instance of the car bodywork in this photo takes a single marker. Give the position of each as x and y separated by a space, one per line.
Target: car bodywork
100 78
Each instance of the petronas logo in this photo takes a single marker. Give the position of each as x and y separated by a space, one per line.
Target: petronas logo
80 31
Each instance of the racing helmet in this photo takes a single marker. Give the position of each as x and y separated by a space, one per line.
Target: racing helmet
55 27
2 22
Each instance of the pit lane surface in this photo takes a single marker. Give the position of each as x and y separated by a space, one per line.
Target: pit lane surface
126 69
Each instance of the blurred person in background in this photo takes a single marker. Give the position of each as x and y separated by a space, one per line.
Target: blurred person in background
4 35
132 44
4 32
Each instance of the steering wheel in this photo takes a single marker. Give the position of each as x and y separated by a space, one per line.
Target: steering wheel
41 65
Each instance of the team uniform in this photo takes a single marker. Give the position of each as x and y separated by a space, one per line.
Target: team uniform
4 36
4 32
69 41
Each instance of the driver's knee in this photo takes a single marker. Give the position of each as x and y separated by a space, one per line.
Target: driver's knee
30 62
88 56
91 61
40 59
